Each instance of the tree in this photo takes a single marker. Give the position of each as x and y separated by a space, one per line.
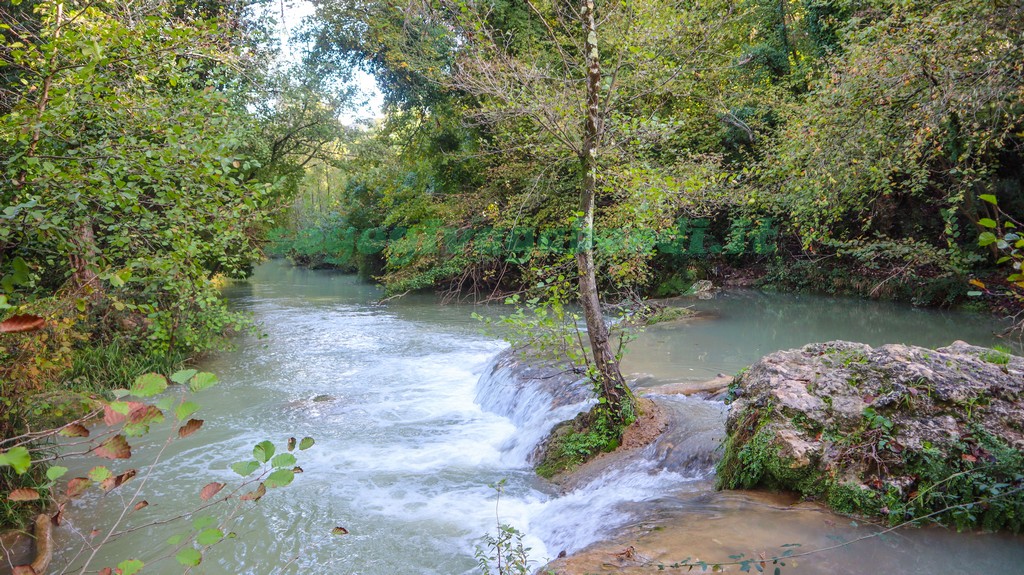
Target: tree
551 98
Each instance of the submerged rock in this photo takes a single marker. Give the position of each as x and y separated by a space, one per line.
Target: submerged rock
897 431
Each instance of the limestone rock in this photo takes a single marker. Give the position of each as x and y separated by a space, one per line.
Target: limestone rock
895 430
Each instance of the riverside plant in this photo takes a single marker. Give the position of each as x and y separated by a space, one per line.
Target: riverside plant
503 553
151 400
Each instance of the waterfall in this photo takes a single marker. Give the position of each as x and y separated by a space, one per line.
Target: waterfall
534 398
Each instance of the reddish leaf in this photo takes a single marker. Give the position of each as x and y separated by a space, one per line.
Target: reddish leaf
106 571
24 570
141 505
255 494
77 486
114 448
22 323
23 494
968 457
117 480
75 430
94 533
144 414
210 490
58 517
113 417
869 398
190 427
339 531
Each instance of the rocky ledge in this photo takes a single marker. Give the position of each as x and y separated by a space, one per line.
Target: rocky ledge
896 431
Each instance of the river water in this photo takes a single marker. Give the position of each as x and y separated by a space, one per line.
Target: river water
413 429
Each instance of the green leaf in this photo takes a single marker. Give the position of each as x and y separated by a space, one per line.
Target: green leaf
263 451
149 385
280 478
306 443
189 557
245 468
283 460
182 377
130 567
203 380
56 472
185 410
987 222
18 458
210 536
988 198
986 238
99 473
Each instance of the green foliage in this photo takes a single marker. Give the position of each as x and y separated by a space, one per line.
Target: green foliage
976 482
876 135
575 442
547 325
503 553
1003 237
27 475
827 117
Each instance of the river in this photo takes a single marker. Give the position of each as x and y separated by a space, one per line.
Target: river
406 456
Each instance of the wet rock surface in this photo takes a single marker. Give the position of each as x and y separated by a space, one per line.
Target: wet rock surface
896 431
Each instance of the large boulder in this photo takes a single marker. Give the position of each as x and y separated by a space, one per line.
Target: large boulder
896 431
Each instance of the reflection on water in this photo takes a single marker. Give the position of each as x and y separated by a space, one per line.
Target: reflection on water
405 453
738 327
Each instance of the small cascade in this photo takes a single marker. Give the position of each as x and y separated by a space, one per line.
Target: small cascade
533 397
602 498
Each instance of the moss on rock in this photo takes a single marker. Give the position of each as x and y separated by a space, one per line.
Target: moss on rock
919 434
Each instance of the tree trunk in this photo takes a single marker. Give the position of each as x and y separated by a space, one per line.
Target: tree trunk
83 276
612 387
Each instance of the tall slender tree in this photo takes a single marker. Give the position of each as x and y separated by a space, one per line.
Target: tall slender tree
550 94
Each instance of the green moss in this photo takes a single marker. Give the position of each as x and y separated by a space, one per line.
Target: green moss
751 458
573 443
850 499
975 483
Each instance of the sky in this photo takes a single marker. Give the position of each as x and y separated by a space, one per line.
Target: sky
289 15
